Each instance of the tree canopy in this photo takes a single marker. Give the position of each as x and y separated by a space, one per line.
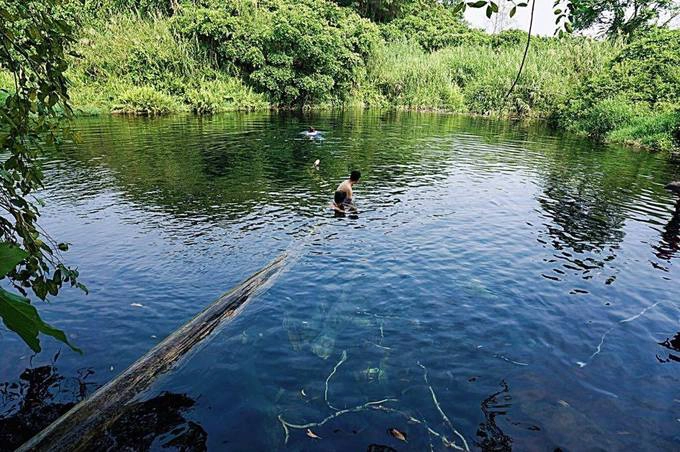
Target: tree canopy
613 18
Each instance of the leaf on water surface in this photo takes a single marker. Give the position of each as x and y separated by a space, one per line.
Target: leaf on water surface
304 394
312 435
401 436
137 305
20 316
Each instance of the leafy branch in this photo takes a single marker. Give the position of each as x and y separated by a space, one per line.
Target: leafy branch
34 38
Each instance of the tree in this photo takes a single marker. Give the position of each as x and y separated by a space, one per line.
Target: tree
34 36
613 18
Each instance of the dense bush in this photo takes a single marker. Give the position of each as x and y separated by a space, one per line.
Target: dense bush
433 26
636 94
144 100
224 94
299 53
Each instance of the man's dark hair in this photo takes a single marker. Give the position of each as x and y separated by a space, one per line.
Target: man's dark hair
340 197
354 176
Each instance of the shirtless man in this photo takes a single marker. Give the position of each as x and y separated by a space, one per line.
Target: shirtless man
346 186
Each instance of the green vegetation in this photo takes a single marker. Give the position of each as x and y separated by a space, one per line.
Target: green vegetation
154 57
34 36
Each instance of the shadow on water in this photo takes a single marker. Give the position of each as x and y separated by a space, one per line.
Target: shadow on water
670 237
491 437
41 395
36 399
673 345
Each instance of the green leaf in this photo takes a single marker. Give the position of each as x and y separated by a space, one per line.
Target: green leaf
569 27
20 316
493 6
477 4
459 7
489 12
10 256
513 11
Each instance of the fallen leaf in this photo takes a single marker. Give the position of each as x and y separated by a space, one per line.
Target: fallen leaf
313 435
401 436
137 305
304 394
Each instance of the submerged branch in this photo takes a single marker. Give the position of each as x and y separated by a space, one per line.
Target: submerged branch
339 413
439 408
325 394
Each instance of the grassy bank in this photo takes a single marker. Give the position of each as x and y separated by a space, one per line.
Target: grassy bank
240 55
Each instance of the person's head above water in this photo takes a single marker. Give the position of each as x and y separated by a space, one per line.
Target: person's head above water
311 129
354 176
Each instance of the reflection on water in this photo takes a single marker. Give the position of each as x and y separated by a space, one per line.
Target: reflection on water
159 421
670 238
37 398
673 345
41 395
491 437
484 252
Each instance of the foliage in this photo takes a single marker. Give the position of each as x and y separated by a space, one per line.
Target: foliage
407 77
224 94
299 53
144 100
34 35
634 96
433 26
621 17
658 130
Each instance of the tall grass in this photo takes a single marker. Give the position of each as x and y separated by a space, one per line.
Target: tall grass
133 64
476 78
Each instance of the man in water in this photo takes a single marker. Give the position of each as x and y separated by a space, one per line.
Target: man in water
346 187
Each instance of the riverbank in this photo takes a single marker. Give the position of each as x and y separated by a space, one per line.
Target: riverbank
316 55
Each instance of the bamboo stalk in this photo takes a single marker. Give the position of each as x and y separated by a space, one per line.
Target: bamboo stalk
78 428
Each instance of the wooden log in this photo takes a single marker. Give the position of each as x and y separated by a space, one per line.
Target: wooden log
78 428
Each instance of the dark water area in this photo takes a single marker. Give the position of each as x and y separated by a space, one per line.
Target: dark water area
501 287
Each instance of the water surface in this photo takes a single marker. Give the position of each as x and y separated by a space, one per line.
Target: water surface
501 286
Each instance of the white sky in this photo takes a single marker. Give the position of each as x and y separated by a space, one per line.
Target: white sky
544 19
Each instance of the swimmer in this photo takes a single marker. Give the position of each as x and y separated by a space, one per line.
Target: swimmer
346 186
311 132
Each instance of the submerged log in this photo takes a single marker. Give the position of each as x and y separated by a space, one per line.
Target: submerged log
78 428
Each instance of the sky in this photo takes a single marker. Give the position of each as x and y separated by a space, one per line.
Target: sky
544 22
544 19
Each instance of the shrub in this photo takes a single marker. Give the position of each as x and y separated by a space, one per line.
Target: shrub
658 130
300 53
224 94
145 100
433 26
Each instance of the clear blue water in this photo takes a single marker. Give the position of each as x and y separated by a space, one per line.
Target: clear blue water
533 276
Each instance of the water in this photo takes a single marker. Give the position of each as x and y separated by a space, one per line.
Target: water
531 276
